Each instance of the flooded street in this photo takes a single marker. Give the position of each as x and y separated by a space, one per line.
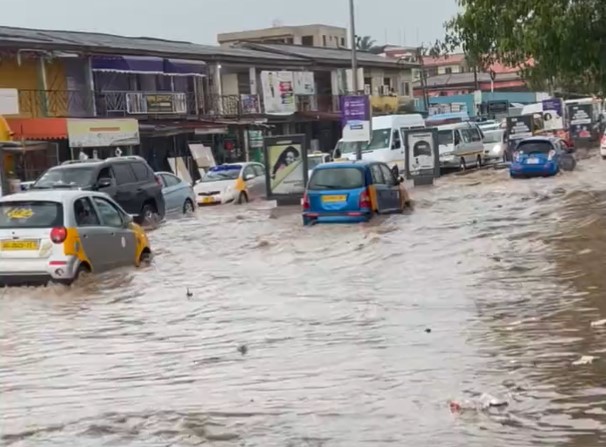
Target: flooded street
332 335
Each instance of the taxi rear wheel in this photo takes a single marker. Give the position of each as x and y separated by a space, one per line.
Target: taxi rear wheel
145 258
242 198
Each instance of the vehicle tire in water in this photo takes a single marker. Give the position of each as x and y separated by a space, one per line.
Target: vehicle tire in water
479 161
82 272
148 214
568 163
242 198
462 165
145 258
188 207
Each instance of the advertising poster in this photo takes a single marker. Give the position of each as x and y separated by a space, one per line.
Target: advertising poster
552 114
422 156
520 126
249 104
278 92
286 166
580 121
304 83
356 117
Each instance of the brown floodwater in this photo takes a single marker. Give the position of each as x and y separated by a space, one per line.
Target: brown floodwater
332 335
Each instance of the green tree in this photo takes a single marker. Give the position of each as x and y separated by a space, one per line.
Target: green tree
365 43
566 39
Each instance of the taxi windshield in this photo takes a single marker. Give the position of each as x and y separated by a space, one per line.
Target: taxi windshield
66 177
218 173
31 214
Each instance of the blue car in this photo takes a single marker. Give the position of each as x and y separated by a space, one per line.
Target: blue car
540 157
178 195
352 191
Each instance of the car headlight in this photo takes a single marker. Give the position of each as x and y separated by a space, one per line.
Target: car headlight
496 149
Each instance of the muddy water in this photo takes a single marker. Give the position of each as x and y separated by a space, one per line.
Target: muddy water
332 335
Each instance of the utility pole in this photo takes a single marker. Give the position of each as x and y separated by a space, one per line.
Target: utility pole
354 50
354 61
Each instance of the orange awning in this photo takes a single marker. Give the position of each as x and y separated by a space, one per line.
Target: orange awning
38 128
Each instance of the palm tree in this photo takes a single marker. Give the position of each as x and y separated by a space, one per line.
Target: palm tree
365 43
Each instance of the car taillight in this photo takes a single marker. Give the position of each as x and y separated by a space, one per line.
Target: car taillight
305 202
551 154
365 199
58 235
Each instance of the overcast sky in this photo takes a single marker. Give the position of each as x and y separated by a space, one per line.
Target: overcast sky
406 22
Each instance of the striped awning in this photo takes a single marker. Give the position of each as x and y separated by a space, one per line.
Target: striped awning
148 65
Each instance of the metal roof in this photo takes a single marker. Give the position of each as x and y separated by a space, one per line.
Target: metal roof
453 79
37 39
334 56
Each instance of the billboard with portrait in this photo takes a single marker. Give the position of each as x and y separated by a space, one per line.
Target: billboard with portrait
285 166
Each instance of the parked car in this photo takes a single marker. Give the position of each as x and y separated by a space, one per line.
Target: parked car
128 180
494 145
231 182
314 159
179 196
540 157
353 191
57 235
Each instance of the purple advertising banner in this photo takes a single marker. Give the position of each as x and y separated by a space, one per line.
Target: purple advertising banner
355 117
552 114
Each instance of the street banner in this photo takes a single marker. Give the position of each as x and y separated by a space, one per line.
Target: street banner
278 92
356 118
519 127
580 121
422 155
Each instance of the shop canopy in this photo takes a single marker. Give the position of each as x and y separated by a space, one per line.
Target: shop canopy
148 65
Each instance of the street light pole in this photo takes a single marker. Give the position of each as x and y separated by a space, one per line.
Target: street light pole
354 55
354 61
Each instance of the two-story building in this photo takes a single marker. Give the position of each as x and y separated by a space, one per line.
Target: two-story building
94 93
307 35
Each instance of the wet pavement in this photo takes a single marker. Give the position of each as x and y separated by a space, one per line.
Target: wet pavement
332 335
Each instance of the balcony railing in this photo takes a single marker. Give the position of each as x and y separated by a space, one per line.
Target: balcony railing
121 103
56 103
77 103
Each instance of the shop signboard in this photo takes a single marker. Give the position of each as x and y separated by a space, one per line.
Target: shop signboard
519 127
552 114
278 92
102 132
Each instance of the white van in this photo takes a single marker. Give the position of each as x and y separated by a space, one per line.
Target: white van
345 149
387 139
460 145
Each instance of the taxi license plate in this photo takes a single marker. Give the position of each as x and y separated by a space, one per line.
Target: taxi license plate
208 200
333 199
20 245
533 161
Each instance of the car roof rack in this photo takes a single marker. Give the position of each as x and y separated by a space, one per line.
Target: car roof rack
127 157
75 162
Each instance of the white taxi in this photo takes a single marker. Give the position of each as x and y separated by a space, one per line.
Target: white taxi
231 182
55 235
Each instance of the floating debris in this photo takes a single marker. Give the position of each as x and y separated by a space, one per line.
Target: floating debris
598 323
243 349
584 360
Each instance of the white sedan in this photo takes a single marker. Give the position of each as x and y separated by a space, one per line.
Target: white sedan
231 182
